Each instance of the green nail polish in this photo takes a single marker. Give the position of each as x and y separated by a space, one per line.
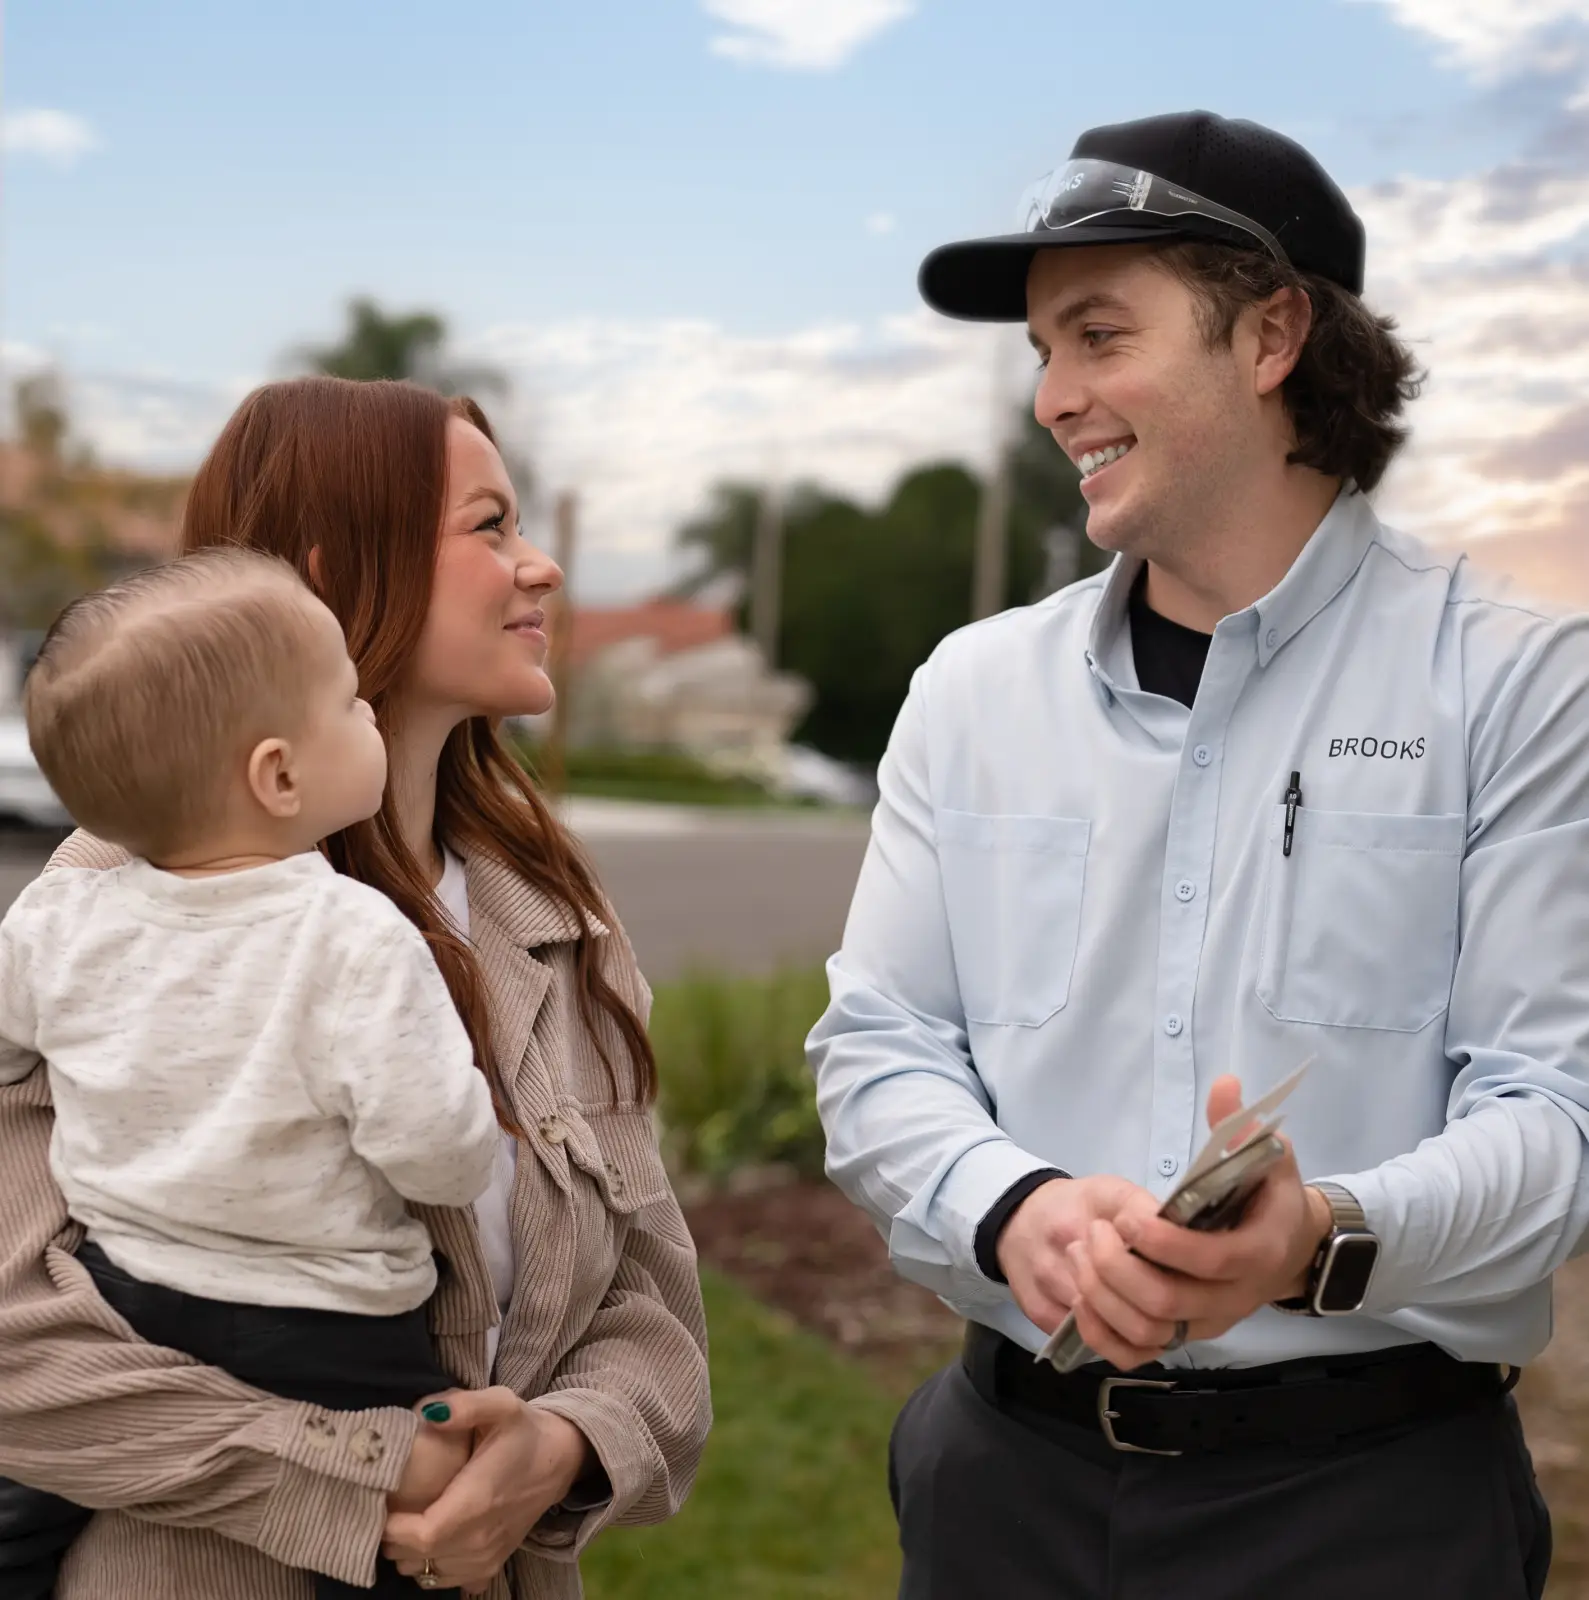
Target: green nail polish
436 1411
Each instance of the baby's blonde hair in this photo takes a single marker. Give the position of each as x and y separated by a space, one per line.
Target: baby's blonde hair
146 694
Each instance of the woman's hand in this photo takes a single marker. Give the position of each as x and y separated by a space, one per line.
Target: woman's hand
434 1460
524 1461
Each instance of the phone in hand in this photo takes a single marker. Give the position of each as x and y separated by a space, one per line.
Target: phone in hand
1210 1201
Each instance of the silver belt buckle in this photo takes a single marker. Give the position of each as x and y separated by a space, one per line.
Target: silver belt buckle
1108 1418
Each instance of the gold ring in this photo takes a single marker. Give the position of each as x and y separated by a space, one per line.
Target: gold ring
427 1578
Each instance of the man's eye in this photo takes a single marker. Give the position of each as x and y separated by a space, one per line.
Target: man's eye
1097 336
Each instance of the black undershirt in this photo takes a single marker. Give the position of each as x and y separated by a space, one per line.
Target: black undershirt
1169 661
1169 657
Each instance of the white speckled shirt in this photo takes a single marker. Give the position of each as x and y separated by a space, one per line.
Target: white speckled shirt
251 1073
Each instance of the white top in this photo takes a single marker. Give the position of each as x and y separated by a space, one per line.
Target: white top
493 1208
1079 909
251 1073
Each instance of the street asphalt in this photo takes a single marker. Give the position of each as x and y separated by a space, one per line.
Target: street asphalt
741 891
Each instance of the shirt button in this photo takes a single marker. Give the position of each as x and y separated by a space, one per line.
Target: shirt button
1167 1166
1173 1024
1202 755
1272 638
1186 890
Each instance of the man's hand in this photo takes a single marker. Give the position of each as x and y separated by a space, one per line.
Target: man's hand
1129 1303
1033 1245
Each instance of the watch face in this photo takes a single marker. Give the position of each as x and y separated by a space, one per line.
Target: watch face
1347 1270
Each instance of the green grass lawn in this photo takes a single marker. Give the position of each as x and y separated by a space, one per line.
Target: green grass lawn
792 1500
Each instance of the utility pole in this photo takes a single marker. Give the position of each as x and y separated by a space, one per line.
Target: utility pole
990 565
554 764
766 574
989 573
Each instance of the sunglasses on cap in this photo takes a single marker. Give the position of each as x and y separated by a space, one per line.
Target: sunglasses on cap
1085 190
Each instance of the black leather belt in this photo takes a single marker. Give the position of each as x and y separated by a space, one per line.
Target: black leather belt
1172 1412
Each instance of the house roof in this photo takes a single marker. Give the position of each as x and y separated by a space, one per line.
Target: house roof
140 516
675 625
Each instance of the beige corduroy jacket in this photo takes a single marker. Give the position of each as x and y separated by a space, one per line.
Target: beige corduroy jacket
207 1489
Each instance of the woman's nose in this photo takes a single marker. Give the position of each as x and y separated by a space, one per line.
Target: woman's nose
540 573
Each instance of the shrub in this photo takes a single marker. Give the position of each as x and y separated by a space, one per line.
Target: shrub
735 1090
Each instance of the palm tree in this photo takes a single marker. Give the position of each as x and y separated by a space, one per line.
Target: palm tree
409 347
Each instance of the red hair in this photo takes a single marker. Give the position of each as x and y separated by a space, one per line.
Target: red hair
358 471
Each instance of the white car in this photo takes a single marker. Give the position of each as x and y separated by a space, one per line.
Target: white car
24 795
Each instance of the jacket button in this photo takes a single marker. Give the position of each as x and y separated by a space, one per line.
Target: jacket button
319 1432
614 1176
367 1446
552 1130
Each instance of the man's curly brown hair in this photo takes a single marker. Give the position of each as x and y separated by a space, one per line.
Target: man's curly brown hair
1354 377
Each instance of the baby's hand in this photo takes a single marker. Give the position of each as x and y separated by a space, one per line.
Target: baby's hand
435 1460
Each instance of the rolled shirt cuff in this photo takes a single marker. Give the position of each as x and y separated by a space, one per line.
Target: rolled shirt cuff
969 1191
992 1225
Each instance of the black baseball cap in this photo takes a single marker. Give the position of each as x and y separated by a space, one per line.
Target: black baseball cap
1187 175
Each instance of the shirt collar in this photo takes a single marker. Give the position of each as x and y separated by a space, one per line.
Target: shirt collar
1327 563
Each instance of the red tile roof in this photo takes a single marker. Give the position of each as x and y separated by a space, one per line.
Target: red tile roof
675 625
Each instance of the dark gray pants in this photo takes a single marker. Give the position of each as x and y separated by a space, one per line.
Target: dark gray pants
999 1505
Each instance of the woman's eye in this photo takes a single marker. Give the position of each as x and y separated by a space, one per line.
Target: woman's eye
493 524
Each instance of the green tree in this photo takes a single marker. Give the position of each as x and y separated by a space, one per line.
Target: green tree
41 415
867 594
40 573
409 346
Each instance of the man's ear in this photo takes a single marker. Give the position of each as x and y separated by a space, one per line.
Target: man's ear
1284 321
317 578
272 780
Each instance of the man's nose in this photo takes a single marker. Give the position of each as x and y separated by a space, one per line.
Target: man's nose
1058 395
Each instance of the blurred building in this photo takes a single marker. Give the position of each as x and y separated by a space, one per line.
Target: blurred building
68 525
669 674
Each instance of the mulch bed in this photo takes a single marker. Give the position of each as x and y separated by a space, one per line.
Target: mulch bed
803 1248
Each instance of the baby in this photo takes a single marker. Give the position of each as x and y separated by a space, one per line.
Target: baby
254 1060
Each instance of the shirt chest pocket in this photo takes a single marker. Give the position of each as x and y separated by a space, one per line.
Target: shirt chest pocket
1012 889
1360 920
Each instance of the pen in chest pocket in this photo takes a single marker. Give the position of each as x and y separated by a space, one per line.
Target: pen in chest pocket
1293 801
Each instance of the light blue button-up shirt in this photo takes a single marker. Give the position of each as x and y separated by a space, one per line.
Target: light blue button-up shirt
1076 913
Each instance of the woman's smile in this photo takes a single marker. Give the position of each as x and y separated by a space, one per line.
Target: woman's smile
531 627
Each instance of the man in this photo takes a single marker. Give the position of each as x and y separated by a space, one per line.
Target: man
1281 784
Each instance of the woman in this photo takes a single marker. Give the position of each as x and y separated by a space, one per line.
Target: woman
593 1407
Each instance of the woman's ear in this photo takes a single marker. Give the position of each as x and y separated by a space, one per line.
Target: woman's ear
317 579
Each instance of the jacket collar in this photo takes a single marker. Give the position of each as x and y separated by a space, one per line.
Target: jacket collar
528 917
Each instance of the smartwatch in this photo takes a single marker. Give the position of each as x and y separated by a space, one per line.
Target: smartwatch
1343 1267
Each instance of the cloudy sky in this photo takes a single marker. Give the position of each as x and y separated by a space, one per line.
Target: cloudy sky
690 228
